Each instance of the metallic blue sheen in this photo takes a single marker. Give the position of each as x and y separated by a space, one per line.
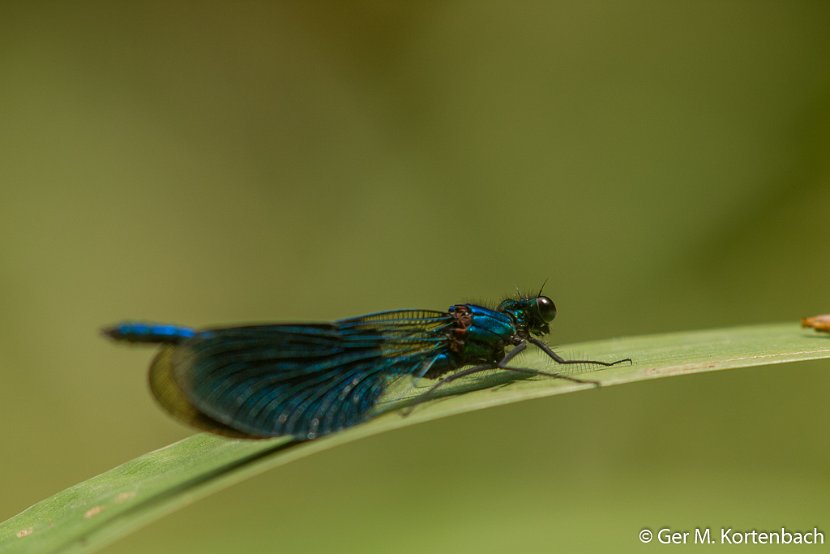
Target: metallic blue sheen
148 332
488 335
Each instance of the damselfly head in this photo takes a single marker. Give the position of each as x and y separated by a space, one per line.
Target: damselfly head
531 313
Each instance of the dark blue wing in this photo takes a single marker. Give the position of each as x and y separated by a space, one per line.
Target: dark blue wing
299 380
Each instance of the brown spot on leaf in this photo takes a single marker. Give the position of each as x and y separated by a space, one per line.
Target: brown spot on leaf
817 322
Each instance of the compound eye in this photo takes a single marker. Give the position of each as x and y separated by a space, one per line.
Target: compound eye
546 307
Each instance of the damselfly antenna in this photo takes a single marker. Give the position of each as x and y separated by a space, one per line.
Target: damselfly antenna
545 282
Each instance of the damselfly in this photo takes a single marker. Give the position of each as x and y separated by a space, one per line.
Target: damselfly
310 379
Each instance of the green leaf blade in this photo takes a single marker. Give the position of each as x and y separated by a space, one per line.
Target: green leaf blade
104 508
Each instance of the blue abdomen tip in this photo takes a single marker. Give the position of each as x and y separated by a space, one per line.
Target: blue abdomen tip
149 332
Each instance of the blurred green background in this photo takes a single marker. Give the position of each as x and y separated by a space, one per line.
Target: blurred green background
664 164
